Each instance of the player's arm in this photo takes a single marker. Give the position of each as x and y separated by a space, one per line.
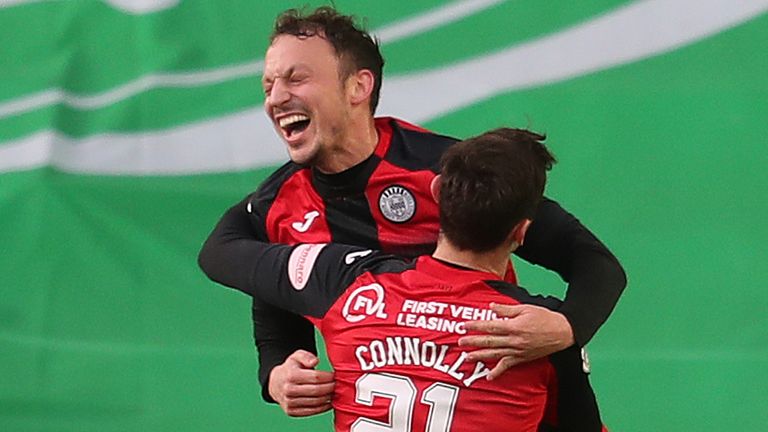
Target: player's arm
307 279
557 241
293 382
227 257
235 238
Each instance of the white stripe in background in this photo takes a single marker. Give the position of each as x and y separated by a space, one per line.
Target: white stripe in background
134 7
637 31
629 33
10 3
235 142
436 18
141 7
140 85
419 24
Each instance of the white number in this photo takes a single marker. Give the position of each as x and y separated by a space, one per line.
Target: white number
440 397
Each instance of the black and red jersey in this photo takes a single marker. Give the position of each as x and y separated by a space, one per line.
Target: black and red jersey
384 203
391 327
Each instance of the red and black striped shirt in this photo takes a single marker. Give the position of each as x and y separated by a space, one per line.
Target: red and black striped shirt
385 203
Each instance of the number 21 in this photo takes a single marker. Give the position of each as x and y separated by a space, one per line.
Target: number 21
440 397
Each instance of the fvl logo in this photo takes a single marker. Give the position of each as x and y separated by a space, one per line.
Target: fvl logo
367 300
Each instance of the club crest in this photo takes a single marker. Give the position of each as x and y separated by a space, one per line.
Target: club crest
397 204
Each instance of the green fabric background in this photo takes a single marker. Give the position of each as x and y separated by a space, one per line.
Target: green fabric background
106 323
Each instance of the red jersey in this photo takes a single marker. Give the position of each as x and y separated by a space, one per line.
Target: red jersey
384 203
391 328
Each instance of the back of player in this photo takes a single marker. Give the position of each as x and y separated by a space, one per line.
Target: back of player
391 326
392 340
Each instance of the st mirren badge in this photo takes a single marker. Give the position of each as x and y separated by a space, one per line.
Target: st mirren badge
397 204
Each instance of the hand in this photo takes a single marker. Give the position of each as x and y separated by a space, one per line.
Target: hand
529 333
300 389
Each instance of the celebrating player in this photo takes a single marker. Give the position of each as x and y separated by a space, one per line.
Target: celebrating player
364 181
391 325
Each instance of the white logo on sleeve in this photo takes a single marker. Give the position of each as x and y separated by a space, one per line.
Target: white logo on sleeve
585 361
300 264
353 256
367 300
308 219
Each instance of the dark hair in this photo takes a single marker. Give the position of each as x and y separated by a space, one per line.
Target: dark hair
355 48
490 183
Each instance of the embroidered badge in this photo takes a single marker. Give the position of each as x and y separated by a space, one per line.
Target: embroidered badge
397 204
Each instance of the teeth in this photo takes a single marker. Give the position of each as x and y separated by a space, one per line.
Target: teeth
291 119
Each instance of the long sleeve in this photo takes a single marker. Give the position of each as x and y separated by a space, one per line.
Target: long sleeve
228 257
557 241
231 244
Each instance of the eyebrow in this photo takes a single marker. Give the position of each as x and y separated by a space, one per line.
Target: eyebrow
290 71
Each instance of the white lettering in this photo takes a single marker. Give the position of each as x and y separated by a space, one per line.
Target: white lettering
359 354
439 365
430 323
408 305
412 351
454 370
480 371
428 353
378 355
395 349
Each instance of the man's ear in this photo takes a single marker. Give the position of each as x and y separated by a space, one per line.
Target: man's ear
519 230
434 187
360 86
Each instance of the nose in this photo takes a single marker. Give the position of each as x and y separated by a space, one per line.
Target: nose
278 94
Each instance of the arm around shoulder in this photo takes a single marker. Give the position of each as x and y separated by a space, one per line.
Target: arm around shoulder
227 254
559 242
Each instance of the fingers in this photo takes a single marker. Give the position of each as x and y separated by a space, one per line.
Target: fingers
308 376
304 358
304 408
304 394
306 412
306 399
490 354
299 388
489 341
298 391
493 326
508 311
503 364
498 326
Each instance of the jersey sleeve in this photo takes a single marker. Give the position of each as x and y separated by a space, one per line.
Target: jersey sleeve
235 238
227 257
307 279
556 240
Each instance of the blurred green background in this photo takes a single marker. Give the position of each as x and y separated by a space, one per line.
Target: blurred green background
126 131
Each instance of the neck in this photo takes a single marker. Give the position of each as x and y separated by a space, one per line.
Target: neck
493 261
357 145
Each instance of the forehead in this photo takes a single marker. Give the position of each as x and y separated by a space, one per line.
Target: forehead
290 52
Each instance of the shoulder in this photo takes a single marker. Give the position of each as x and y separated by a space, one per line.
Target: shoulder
330 268
270 187
522 295
413 147
363 260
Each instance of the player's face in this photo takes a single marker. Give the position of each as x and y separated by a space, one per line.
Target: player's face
305 97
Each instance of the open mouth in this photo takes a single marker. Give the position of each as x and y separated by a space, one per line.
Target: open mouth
294 124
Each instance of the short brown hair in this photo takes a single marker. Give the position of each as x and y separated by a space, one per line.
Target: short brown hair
355 48
490 183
